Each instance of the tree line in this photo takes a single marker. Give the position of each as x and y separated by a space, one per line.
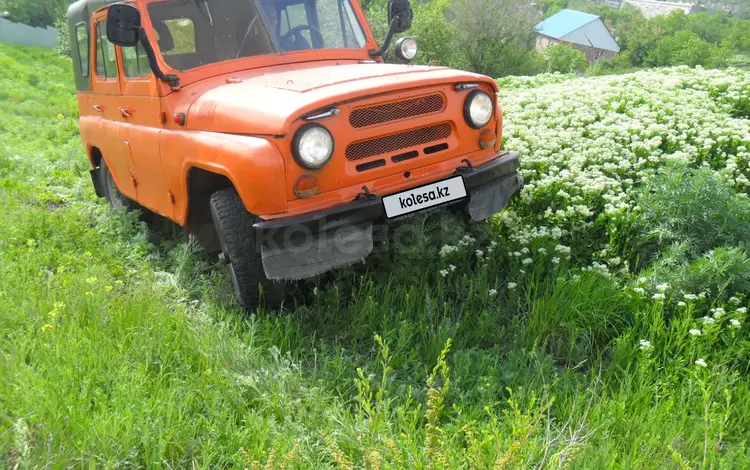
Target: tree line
497 37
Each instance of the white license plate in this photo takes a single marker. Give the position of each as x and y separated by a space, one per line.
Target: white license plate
424 197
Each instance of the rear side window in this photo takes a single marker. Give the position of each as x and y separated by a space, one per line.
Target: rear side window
135 61
82 43
105 53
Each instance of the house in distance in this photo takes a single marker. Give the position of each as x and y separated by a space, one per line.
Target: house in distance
583 31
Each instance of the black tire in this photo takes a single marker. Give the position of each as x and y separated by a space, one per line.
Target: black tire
234 228
116 199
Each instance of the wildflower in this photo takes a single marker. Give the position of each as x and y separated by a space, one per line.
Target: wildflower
734 322
742 310
701 362
451 267
658 296
517 254
542 251
46 327
89 294
118 282
639 290
52 314
641 280
527 261
662 287
443 272
512 285
555 260
492 292
708 321
59 116
525 251
88 254
447 250
315 291
718 312
108 288
734 300
479 253
695 332
91 280
690 297
30 242
645 345
681 304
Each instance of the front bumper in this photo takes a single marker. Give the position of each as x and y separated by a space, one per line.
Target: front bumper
310 244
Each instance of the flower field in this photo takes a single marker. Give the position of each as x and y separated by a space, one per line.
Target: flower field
600 322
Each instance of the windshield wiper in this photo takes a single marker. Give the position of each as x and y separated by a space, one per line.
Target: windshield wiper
247 33
208 10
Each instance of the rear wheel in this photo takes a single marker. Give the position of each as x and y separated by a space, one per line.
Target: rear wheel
234 228
118 200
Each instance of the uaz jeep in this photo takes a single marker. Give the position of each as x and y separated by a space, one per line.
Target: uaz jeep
275 131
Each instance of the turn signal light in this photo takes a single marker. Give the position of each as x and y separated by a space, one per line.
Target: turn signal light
487 138
305 186
179 119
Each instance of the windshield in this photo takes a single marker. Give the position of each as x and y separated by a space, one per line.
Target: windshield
192 33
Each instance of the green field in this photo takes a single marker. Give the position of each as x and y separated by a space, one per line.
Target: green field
600 322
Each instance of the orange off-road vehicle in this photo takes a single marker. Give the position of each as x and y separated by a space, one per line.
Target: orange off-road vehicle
274 131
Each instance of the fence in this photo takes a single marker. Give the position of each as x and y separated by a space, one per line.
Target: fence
19 33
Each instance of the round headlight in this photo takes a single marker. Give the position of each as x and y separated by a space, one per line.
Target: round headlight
312 146
406 49
478 109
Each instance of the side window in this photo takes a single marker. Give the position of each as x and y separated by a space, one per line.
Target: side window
291 17
105 53
83 45
135 62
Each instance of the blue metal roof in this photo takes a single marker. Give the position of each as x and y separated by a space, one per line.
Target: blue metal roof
565 22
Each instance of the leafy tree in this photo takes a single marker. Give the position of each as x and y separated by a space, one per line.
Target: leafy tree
682 48
496 36
35 12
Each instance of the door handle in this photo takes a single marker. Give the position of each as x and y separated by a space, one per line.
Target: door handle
98 108
126 112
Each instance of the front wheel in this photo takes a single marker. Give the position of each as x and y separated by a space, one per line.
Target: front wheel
116 199
234 228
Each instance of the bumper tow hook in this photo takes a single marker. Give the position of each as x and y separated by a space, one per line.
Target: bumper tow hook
465 169
365 195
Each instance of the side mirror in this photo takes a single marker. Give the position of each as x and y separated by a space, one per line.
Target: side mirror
123 25
124 29
400 10
399 20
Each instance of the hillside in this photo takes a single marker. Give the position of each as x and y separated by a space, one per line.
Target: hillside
600 322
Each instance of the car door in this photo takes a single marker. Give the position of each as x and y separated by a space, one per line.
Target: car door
106 88
140 111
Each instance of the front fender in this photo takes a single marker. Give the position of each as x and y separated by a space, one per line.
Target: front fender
254 165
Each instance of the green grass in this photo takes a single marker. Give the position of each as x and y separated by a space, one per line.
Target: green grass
120 347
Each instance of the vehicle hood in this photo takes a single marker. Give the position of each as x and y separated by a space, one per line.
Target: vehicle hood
268 103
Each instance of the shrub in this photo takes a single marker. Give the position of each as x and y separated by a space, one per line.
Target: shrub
692 208
63 37
564 59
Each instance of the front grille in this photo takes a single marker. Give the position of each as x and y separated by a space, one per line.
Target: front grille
365 117
392 143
